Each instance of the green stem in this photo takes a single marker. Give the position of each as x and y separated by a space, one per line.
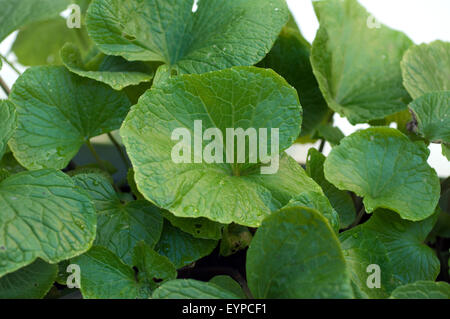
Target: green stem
4 86
81 38
10 64
97 158
120 150
322 145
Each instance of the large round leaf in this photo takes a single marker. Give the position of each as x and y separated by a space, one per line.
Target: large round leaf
242 97
358 67
219 35
8 122
296 254
426 68
121 225
58 112
43 215
432 113
388 170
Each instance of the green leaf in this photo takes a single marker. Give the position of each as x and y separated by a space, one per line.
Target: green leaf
40 42
446 151
152 265
241 97
43 215
305 261
432 113
423 290
8 123
396 246
197 227
18 13
228 283
221 34
388 170
426 68
30 282
358 67
290 57
58 112
340 200
104 276
181 248
121 225
191 289
331 134
235 238
114 71
10 164
318 202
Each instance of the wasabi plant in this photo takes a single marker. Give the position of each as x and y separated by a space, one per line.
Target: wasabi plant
200 101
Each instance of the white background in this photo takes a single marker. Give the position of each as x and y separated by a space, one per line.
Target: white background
421 20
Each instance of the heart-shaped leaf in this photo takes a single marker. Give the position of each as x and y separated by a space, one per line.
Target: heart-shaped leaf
8 123
58 112
43 215
426 68
248 98
356 61
305 261
121 225
112 70
219 35
388 170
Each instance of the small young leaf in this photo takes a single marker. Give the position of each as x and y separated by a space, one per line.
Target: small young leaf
423 290
219 35
30 282
241 97
388 170
198 227
340 200
305 261
114 71
181 248
8 123
357 64
58 112
43 215
191 289
121 225
104 276
432 113
426 68
235 238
